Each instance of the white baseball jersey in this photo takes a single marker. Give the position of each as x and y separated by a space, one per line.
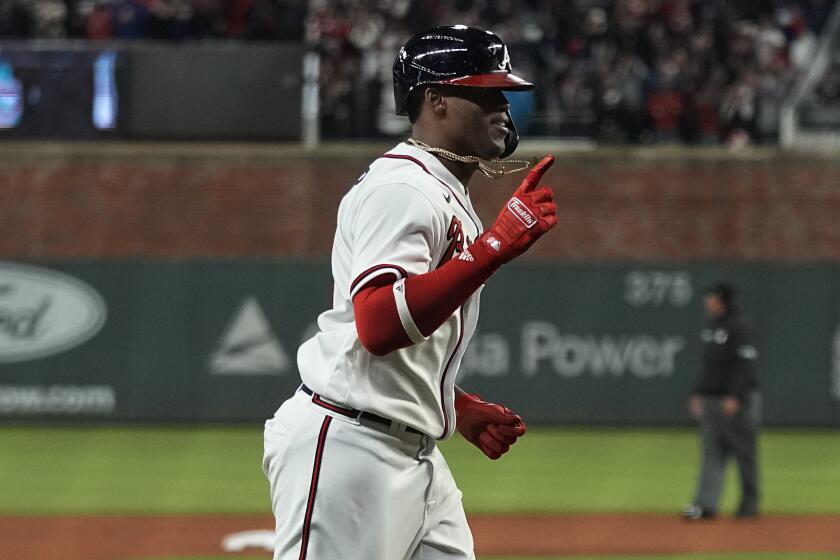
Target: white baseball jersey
406 215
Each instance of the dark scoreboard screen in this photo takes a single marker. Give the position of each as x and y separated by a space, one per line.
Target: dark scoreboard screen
59 94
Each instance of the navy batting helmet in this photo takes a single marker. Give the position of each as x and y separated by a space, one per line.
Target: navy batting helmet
456 55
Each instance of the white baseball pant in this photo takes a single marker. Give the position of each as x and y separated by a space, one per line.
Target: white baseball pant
345 488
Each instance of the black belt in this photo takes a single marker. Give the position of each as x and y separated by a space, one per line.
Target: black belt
352 413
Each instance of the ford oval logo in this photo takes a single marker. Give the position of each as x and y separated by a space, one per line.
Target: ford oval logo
44 312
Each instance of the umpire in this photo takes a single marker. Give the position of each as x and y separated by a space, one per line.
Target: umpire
727 403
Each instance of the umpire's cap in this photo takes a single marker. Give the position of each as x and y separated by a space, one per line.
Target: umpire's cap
455 55
727 293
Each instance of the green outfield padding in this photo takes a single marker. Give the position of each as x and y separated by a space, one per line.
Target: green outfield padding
217 470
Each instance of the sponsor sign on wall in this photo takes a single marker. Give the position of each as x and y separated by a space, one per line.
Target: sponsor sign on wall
603 344
44 312
249 345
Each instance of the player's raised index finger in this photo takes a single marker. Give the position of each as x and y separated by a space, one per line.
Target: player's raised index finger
537 172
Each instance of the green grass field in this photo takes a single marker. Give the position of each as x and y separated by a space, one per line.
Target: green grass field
74 470
217 469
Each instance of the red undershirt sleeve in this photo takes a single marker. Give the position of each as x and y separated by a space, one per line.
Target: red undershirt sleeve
391 314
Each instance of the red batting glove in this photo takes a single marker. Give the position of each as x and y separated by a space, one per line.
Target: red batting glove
490 427
528 214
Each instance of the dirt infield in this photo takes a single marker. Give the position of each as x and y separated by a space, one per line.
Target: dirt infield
127 537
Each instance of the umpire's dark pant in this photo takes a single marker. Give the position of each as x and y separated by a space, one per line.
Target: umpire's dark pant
722 437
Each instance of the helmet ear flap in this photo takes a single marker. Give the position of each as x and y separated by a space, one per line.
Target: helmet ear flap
512 139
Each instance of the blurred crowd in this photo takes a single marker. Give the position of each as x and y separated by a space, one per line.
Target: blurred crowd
166 20
639 71
827 91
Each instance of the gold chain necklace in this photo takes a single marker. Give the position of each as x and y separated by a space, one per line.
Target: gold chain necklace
492 169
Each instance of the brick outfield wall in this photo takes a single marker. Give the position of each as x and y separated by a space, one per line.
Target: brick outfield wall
162 205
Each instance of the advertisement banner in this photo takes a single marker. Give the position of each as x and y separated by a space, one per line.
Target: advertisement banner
561 344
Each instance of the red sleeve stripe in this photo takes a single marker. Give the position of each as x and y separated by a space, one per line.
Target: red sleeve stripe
372 273
313 487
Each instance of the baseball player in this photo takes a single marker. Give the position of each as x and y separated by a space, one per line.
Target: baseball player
351 458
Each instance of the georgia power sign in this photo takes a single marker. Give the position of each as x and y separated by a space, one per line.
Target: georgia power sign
44 312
